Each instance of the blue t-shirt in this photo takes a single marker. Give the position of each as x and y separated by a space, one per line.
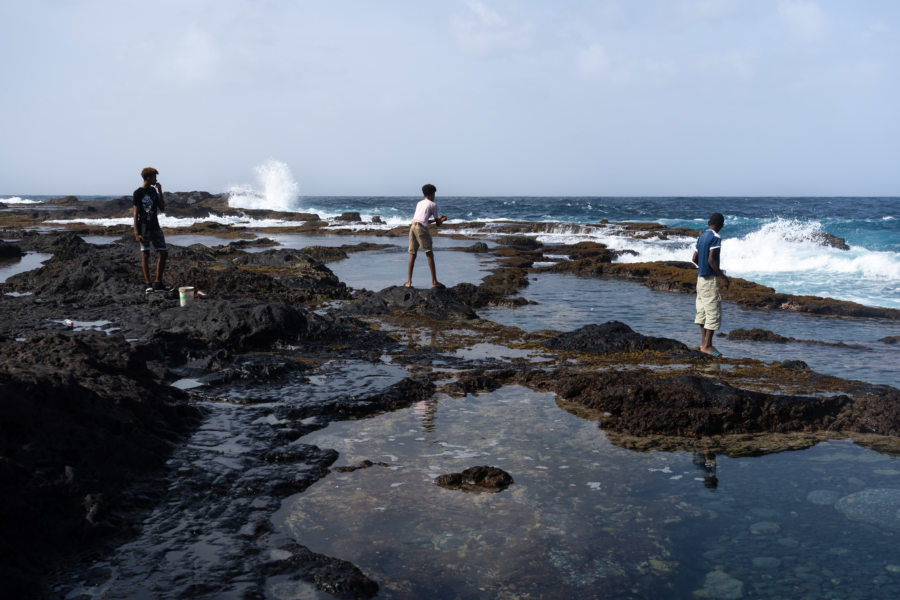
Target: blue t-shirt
709 239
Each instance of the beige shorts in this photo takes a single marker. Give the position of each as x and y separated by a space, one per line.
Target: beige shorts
419 236
709 303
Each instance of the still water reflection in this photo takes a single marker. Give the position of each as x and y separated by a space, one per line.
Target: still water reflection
588 519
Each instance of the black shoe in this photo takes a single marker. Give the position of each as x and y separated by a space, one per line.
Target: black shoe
158 286
148 288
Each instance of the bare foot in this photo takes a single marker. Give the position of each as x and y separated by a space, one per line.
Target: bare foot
438 284
407 284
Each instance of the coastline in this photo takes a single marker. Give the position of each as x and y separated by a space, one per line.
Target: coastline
276 312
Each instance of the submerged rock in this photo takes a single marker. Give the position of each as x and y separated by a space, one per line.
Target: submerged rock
719 585
876 506
476 479
757 335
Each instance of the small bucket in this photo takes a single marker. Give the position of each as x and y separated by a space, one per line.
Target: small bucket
185 295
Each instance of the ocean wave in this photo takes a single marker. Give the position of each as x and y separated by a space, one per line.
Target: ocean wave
183 222
17 200
276 189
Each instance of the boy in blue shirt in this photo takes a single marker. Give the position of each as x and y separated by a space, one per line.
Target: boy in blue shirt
709 300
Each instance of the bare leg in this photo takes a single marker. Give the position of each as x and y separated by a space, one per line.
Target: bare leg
706 336
145 266
412 263
434 281
161 264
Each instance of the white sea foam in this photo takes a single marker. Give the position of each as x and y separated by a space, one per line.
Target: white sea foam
786 246
183 222
17 200
276 189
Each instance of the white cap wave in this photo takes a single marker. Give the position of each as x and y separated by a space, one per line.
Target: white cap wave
276 189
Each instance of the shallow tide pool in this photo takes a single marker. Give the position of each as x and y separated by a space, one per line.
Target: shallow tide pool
588 519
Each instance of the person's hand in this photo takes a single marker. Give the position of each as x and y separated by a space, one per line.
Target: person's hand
442 218
725 281
158 186
138 237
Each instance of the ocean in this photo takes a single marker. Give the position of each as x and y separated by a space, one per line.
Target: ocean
772 241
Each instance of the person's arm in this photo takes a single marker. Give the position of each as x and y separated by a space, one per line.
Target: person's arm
437 219
714 265
137 231
159 194
695 257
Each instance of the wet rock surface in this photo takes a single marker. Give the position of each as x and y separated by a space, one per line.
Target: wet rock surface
614 336
82 417
764 335
434 303
476 479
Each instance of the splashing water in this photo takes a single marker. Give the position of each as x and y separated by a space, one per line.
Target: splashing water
279 189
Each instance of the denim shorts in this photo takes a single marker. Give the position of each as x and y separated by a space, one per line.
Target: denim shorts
155 238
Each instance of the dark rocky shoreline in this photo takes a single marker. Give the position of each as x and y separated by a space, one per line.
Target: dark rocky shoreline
90 417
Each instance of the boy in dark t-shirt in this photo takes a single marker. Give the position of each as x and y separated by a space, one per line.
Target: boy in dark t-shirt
709 300
148 203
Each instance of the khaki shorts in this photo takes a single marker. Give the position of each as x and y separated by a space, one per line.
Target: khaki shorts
709 303
419 236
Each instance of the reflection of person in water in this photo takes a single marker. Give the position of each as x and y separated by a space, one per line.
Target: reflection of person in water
427 409
707 462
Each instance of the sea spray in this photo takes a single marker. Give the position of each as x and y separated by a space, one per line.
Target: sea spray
279 189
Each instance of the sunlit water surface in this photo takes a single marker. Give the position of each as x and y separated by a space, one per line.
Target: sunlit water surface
587 519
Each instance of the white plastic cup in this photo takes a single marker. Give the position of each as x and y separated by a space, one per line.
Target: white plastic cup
185 295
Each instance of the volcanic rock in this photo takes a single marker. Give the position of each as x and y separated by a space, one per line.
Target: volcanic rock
521 242
10 251
435 303
610 337
476 479
81 417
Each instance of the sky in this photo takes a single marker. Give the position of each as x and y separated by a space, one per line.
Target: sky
479 97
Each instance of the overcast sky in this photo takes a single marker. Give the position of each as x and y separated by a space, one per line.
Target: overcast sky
480 97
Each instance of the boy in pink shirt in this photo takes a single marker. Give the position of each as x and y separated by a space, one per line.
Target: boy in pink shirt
426 211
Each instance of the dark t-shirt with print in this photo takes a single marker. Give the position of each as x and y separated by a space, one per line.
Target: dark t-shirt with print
147 201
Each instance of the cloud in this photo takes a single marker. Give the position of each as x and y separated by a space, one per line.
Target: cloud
193 58
594 62
804 20
483 31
